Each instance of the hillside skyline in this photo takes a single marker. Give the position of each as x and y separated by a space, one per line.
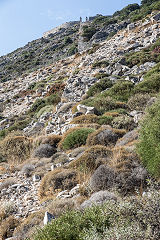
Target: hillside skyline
21 23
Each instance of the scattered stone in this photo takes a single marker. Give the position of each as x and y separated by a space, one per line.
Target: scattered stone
48 218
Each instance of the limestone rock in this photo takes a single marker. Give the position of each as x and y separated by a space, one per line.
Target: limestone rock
48 218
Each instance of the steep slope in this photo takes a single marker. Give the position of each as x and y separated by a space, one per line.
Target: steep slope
70 127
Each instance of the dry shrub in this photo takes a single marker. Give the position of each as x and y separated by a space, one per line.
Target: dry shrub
3 169
112 114
7 209
103 136
103 178
57 180
130 174
6 183
59 206
124 122
52 140
2 214
16 149
7 227
76 152
119 132
74 108
66 106
85 119
87 163
44 150
106 136
91 125
60 157
122 159
27 169
127 138
138 101
29 225
121 105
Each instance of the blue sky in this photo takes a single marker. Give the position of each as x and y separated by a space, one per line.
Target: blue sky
22 21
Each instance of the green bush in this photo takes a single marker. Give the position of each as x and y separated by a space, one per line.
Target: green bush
53 99
72 225
2 158
104 20
104 104
105 120
67 40
151 84
100 86
121 90
76 138
145 55
47 108
88 32
132 218
37 105
100 64
19 124
148 1
3 133
72 50
126 11
101 75
149 141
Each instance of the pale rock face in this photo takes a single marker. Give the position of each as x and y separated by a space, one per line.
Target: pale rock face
137 115
48 218
86 110
36 178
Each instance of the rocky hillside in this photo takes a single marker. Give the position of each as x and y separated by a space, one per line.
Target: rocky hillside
79 130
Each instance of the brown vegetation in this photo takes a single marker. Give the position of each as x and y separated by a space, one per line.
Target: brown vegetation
87 163
16 149
57 180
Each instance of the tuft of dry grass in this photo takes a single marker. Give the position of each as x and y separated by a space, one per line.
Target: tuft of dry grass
52 140
122 159
91 125
112 114
74 108
105 135
85 119
16 149
87 163
6 183
7 227
58 180
29 225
